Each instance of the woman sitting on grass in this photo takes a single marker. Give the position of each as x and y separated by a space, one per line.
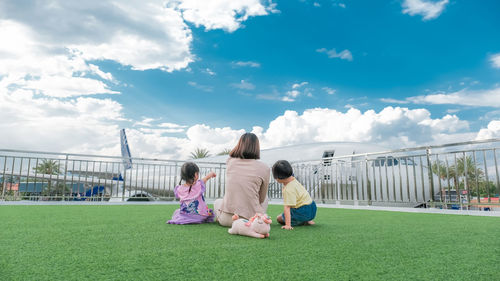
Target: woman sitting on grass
247 181
193 207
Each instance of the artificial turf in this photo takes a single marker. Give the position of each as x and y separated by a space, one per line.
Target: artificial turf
132 242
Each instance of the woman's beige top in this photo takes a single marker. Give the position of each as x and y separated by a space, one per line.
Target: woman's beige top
247 182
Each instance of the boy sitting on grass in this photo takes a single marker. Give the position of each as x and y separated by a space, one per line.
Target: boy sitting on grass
299 208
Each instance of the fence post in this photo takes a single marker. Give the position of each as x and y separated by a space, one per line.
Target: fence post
321 182
65 173
3 177
431 177
368 184
124 182
175 174
466 181
220 182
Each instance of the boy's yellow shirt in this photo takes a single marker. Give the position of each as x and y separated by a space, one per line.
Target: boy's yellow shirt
295 195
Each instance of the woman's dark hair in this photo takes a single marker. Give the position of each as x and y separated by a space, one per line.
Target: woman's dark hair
282 170
188 172
248 147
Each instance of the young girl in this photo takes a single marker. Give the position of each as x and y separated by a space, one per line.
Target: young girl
193 207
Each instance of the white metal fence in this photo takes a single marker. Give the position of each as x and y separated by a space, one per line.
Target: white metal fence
32 175
460 175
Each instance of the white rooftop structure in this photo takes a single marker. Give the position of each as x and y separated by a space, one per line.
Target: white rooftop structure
310 151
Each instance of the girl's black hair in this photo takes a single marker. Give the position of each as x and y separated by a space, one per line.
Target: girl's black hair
188 172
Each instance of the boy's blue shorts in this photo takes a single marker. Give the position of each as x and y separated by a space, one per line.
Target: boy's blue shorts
302 214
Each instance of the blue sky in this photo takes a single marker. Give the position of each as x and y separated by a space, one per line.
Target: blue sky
394 56
181 74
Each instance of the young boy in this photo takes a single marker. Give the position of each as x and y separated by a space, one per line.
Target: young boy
299 208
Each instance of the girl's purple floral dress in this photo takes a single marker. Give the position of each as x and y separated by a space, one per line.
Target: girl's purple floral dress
193 207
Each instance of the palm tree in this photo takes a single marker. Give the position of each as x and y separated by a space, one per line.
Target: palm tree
48 167
225 151
456 172
200 153
472 169
439 169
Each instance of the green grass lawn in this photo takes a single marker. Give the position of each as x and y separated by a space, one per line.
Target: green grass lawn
133 243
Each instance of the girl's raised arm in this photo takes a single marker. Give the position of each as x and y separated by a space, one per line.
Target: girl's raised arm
209 176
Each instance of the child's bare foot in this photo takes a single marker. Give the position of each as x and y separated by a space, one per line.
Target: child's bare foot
310 223
280 220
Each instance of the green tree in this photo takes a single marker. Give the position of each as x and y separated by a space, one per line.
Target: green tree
48 167
61 188
457 173
200 153
439 169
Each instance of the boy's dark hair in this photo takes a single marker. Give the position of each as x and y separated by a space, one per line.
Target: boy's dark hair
282 170
188 171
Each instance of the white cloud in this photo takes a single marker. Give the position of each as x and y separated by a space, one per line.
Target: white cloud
204 88
329 91
104 75
159 132
495 60
299 85
90 125
344 55
244 85
145 122
63 87
142 35
213 139
26 63
393 127
47 47
490 132
171 126
342 5
81 125
48 68
489 98
291 96
210 72
297 90
154 145
46 77
222 14
390 100
426 8
316 4
247 63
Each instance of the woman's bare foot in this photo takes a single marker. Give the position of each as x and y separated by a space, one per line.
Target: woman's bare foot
310 223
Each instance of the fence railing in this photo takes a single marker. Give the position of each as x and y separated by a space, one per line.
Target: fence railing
460 175
32 175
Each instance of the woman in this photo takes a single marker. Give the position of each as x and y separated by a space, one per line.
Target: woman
247 181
